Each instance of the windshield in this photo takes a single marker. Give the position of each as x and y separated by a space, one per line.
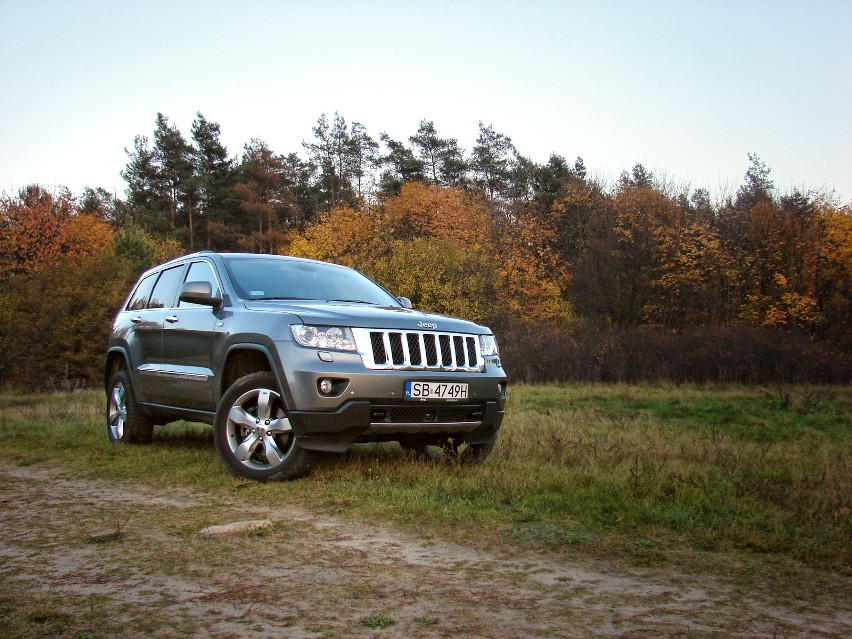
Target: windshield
277 278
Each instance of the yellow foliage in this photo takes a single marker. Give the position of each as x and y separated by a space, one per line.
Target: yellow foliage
440 276
422 210
344 236
837 238
166 249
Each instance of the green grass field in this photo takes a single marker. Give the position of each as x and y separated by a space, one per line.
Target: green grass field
642 474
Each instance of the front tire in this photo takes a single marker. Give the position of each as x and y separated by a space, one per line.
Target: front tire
126 423
253 434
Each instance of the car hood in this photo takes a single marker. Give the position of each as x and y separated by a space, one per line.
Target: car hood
363 316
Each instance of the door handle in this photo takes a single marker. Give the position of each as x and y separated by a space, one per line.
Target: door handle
171 319
135 320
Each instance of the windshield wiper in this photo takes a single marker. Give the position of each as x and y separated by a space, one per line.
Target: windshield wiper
355 302
256 299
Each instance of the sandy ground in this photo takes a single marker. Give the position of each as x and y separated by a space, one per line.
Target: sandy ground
131 562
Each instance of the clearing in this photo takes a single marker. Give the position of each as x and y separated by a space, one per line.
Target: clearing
90 558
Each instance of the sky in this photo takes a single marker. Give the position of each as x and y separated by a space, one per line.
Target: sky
686 88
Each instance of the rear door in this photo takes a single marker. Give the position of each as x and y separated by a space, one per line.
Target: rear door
149 334
142 328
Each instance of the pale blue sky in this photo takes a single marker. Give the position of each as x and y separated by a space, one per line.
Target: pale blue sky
686 88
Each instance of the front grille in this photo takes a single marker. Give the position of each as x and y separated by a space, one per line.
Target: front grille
418 350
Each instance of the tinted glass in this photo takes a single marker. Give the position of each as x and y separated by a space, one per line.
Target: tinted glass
139 300
201 272
166 289
281 278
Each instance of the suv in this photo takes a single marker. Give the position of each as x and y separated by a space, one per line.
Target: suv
287 356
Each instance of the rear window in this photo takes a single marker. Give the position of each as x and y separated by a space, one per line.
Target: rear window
139 299
166 288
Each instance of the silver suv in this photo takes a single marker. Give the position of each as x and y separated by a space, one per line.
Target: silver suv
286 357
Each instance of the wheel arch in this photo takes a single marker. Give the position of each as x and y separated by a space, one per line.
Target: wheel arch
116 360
243 359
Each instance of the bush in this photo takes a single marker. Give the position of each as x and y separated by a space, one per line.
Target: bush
746 355
56 321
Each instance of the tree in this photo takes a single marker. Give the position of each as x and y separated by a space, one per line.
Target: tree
39 228
401 165
833 274
362 156
267 193
442 160
533 278
145 202
175 171
103 204
214 173
61 317
638 178
343 157
757 186
423 210
491 161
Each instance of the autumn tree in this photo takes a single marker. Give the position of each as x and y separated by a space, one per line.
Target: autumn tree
268 199
61 321
833 274
39 228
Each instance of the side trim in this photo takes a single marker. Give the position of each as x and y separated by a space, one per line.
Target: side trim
151 369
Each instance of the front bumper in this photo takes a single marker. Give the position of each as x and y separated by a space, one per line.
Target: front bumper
369 405
361 421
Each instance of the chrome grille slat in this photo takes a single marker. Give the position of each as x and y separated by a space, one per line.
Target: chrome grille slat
396 349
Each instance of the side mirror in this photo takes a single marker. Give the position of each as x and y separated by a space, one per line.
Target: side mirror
199 293
406 303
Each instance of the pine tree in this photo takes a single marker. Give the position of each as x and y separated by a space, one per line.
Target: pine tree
214 173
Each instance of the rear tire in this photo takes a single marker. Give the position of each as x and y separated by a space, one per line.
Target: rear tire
126 423
253 434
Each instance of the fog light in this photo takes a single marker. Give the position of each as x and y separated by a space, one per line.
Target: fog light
325 386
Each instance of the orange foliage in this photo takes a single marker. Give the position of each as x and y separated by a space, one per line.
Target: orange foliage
86 234
39 228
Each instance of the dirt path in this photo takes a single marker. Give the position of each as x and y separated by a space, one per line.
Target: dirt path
116 561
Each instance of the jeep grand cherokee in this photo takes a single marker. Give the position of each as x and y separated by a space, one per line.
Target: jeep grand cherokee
287 356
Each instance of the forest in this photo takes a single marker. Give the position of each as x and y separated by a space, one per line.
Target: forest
581 278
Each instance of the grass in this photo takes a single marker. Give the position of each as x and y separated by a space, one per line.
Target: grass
377 621
647 474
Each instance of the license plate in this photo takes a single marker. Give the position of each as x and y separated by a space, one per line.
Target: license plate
435 390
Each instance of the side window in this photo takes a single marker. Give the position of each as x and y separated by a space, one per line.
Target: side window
201 272
139 300
166 289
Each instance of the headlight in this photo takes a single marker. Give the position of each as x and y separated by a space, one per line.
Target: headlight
337 338
488 345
